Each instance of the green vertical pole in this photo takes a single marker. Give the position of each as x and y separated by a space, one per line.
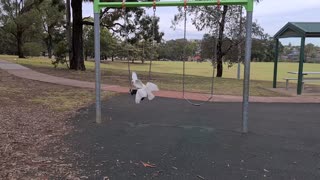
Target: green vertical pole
301 60
275 68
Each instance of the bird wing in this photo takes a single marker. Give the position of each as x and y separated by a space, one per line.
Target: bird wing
134 76
152 87
141 93
138 84
150 95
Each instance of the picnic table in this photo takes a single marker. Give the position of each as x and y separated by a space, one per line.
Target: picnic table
304 79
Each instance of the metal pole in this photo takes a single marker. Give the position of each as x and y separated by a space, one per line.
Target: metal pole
97 65
238 69
239 45
69 33
245 103
275 68
300 76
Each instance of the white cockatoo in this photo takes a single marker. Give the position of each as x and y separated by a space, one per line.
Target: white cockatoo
143 91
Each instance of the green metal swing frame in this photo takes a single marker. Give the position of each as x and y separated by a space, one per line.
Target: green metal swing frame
248 4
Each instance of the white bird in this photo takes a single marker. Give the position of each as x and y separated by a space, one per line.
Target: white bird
143 91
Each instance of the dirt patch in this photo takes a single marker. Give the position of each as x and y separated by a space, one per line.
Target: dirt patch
34 119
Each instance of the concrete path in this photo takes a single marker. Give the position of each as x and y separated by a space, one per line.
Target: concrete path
23 72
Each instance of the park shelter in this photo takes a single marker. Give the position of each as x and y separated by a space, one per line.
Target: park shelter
295 29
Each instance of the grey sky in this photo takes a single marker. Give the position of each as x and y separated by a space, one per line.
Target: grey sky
270 14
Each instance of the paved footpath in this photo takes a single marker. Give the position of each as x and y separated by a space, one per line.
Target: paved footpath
24 72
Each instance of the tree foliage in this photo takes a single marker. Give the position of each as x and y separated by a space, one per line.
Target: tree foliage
222 23
20 20
52 12
177 49
108 44
109 19
31 24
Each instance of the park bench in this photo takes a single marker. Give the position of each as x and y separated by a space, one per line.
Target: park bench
311 79
287 81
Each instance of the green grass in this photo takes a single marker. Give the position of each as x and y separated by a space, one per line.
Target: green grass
66 100
57 97
168 74
259 70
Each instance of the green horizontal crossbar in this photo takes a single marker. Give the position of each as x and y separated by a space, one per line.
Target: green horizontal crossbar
98 5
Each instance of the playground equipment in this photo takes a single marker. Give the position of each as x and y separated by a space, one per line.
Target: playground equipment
248 4
184 63
132 89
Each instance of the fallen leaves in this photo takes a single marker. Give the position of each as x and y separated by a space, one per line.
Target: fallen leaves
148 165
175 168
31 133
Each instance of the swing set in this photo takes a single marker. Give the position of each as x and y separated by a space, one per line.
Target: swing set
248 4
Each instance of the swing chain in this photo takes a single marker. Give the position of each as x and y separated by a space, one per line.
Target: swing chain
153 36
126 37
184 59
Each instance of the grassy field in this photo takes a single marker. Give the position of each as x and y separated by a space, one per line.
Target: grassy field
259 70
168 74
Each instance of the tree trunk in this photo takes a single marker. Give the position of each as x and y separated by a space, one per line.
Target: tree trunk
20 44
112 58
49 46
220 39
77 62
69 32
142 59
86 55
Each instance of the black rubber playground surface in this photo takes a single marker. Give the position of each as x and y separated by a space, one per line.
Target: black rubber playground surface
188 142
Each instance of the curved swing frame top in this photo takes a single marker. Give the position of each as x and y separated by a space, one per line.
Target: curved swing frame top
248 4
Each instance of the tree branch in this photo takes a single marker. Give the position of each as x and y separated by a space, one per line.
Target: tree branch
233 44
29 7
88 23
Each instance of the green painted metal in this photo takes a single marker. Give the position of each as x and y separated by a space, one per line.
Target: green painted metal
300 76
247 3
275 69
96 7
249 6
299 29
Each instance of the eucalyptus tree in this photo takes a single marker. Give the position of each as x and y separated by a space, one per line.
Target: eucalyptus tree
146 35
219 22
222 23
108 43
18 17
110 18
52 16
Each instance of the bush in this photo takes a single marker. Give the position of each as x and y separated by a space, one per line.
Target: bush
32 49
60 52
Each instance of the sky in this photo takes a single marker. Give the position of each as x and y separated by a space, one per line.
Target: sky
272 15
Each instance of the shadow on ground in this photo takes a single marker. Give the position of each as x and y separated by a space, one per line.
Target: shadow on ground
187 142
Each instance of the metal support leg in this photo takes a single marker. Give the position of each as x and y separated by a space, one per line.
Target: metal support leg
245 103
97 65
